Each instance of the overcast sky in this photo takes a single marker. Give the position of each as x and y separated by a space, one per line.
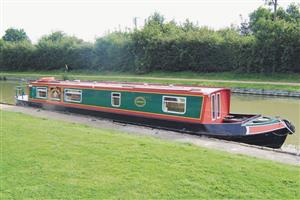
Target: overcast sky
88 19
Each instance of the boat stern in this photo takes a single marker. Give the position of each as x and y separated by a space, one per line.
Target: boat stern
21 97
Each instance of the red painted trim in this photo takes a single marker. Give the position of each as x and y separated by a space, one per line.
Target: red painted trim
265 128
120 111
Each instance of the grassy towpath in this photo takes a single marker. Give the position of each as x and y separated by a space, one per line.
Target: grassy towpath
278 82
50 159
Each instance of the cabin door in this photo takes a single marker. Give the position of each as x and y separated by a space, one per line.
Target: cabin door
55 93
216 106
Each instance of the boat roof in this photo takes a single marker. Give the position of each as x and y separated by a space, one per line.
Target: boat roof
129 85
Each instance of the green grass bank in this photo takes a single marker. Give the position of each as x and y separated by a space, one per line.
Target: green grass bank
48 159
255 81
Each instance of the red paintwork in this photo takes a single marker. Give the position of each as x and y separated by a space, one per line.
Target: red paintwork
207 108
134 87
265 128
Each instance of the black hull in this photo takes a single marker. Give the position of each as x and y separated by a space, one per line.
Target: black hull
274 139
234 132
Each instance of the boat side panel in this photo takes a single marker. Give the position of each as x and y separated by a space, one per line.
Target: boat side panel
153 102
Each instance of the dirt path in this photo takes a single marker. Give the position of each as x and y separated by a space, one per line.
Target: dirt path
231 147
172 79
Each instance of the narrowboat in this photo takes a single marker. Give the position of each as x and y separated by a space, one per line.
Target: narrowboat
188 109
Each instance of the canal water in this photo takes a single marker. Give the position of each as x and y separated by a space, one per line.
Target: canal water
287 108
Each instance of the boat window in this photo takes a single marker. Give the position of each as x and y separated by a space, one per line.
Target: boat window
115 99
73 95
213 106
55 93
41 92
218 106
174 104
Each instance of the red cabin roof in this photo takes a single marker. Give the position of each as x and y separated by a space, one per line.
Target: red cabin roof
129 85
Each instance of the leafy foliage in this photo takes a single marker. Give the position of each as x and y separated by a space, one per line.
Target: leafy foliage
265 44
16 56
15 35
113 52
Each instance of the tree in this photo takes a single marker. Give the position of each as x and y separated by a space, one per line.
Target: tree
244 27
189 26
15 35
276 40
56 50
156 18
274 4
258 17
293 13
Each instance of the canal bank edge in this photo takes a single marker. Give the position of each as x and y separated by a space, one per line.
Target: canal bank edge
282 93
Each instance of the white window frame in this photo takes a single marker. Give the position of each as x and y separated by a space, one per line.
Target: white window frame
37 92
164 108
218 99
213 103
112 99
75 91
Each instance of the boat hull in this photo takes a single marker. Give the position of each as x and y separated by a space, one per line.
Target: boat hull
272 139
231 132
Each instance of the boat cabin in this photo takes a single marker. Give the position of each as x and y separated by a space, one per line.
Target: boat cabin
182 103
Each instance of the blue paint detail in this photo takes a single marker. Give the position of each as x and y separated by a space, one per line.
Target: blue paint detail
226 129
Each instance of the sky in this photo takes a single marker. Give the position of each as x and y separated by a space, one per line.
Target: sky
88 19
